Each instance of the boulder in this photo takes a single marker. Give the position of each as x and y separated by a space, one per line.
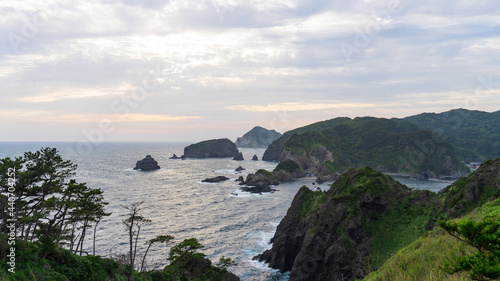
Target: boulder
147 164
238 157
216 179
239 169
217 148
240 179
255 158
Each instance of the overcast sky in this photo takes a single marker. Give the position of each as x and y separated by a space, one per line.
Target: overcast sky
154 70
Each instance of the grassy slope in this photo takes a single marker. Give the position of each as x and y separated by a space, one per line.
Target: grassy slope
424 258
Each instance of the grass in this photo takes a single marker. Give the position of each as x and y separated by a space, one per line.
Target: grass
424 258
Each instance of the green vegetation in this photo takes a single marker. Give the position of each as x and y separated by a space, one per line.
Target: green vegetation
310 200
288 165
45 218
46 204
474 134
474 190
32 263
353 143
265 173
393 224
427 257
485 237
399 223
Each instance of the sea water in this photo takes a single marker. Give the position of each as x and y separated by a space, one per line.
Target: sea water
179 204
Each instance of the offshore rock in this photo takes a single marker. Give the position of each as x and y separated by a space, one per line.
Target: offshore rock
239 169
217 148
238 157
259 182
216 179
174 157
147 164
255 158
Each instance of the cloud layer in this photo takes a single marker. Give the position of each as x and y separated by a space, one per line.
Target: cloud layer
192 70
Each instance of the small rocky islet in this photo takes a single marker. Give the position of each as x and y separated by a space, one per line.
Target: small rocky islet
147 164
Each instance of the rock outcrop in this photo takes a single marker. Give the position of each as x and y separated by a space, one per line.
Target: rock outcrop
147 164
329 235
215 179
174 157
259 182
255 158
239 169
217 148
238 157
258 137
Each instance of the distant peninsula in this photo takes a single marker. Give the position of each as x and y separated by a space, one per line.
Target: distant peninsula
216 148
258 137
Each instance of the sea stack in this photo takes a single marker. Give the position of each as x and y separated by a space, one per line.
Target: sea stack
238 157
147 164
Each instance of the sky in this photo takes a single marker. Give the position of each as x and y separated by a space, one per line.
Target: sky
132 70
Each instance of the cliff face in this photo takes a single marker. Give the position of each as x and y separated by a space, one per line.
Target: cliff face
217 148
363 219
258 137
329 235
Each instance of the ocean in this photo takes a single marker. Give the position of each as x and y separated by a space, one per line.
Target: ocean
179 204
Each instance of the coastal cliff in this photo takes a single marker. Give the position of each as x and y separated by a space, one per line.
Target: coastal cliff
363 219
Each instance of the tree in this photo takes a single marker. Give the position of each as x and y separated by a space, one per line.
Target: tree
159 239
133 226
49 206
485 237
224 263
183 253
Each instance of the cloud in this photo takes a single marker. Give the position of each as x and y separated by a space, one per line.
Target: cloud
241 60
65 118
298 106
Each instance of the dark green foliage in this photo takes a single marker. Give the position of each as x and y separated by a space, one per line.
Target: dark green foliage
475 134
224 263
472 191
485 237
288 165
186 263
50 206
31 260
353 143
310 200
265 173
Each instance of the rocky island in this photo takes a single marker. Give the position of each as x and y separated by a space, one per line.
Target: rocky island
216 148
147 164
258 137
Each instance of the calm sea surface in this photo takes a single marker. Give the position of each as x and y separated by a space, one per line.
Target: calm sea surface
179 204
